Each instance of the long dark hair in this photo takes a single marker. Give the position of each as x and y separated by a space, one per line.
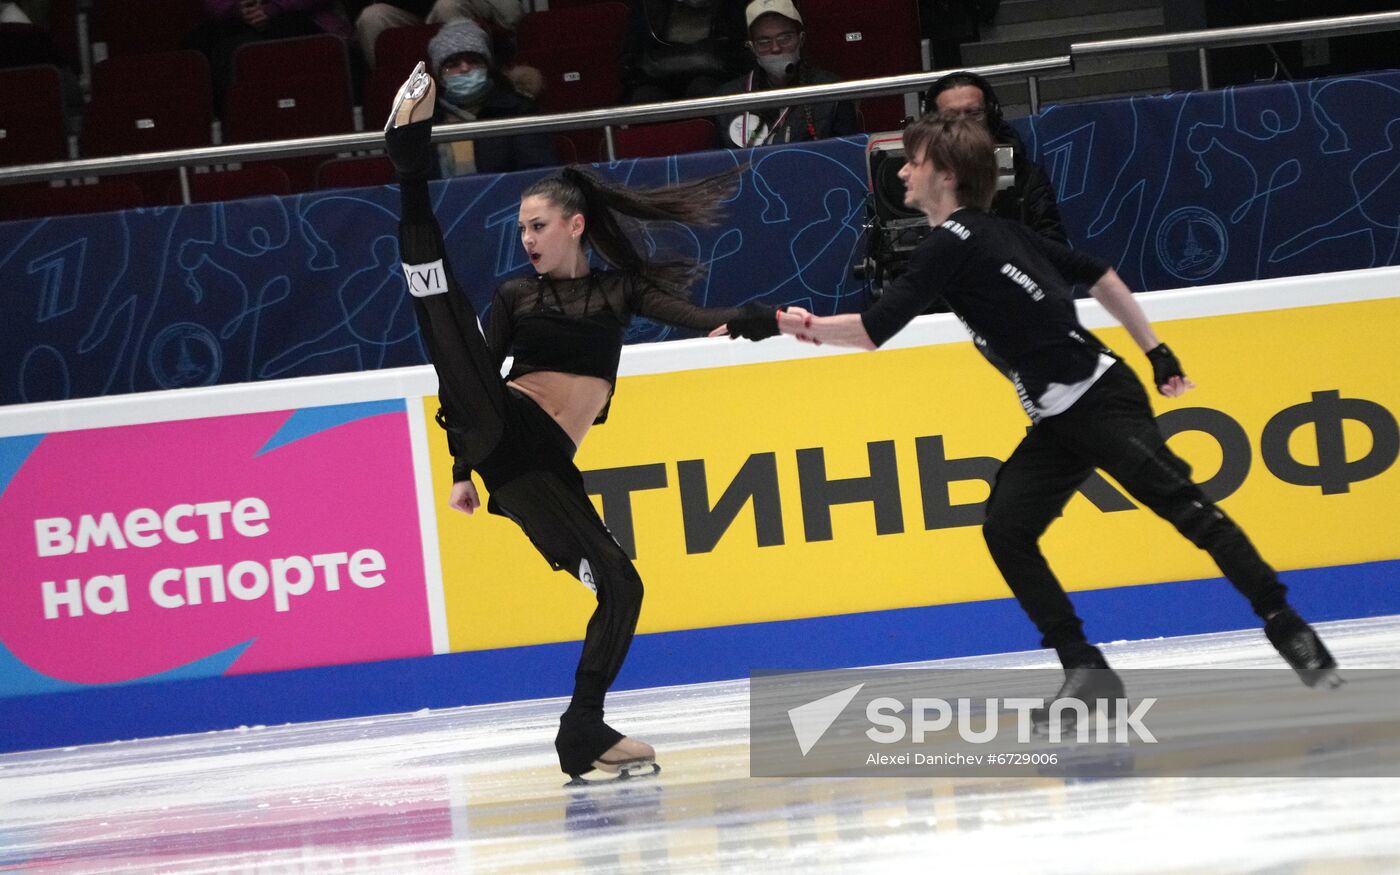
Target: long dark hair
609 210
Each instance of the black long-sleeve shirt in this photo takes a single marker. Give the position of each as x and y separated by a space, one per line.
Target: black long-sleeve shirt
576 326
1011 288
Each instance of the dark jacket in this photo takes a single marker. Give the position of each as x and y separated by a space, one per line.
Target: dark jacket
801 123
506 154
1031 199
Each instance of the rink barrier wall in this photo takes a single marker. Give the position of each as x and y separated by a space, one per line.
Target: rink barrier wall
148 710
465 612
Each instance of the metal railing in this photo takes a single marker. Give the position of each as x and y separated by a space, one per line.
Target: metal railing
593 118
708 106
1247 35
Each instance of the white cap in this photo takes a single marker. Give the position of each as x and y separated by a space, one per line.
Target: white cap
778 7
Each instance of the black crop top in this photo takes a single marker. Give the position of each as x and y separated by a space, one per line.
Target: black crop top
576 326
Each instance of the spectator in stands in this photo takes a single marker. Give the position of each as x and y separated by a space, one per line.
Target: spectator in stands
1030 199
471 88
677 49
232 23
775 38
372 19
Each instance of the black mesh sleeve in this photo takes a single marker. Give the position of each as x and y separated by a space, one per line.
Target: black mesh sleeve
652 302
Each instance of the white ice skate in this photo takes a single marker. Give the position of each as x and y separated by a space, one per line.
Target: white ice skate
627 759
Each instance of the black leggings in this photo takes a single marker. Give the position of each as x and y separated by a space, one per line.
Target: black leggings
1112 428
525 460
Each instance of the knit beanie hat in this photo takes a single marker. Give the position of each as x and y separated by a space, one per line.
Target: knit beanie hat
457 37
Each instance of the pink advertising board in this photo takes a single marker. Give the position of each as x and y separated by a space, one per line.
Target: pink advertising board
218 545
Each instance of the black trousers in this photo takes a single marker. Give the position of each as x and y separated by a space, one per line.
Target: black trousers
526 461
1110 427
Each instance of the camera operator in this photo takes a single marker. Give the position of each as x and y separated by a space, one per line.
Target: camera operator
1030 199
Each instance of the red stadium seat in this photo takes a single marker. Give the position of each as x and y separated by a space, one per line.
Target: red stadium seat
402 47
126 123
396 52
101 197
32 129
599 25
265 103
584 146
178 69
322 57
123 27
149 103
566 148
863 41
577 51
576 77
665 138
355 172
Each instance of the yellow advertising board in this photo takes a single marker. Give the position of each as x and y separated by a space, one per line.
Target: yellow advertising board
781 482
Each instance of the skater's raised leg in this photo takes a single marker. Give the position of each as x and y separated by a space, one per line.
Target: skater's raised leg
469 382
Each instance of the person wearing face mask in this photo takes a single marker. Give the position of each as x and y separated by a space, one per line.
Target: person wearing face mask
470 88
563 324
776 38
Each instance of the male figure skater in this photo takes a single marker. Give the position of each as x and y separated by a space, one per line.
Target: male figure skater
1011 288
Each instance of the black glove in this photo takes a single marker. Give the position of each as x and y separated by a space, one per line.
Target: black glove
1164 365
758 322
411 150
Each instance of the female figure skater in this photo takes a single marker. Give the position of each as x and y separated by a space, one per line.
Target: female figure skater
565 326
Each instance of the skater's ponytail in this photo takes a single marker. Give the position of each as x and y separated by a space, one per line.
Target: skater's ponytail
607 209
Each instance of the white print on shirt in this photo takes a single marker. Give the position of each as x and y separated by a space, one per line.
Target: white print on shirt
1025 282
957 228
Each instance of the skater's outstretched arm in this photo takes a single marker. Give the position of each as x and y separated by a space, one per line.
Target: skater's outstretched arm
1118 300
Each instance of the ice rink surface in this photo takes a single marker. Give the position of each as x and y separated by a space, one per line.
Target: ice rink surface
478 789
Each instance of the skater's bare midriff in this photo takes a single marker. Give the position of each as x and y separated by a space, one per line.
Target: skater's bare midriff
572 400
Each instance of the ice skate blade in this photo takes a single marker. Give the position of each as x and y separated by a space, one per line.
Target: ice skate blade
625 772
414 102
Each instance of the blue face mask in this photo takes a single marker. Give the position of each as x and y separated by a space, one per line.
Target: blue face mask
465 87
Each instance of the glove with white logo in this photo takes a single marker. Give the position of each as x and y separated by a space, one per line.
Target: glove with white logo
1164 365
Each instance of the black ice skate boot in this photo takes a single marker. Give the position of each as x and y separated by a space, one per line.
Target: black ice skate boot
1088 679
592 752
1302 649
408 132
